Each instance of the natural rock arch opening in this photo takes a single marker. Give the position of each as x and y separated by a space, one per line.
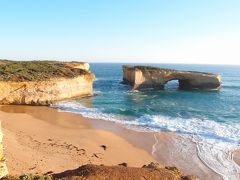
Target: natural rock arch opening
171 84
180 83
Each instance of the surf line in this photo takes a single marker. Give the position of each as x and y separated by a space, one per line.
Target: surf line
206 164
196 142
154 147
228 158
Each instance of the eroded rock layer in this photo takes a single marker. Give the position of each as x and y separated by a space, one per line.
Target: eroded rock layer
151 77
48 90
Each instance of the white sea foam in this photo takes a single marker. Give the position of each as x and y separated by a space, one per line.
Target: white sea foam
217 155
100 79
97 92
154 147
75 107
215 141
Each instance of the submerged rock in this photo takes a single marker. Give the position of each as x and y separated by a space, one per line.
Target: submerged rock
141 77
43 82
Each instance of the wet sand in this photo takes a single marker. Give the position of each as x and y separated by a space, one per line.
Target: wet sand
236 157
41 139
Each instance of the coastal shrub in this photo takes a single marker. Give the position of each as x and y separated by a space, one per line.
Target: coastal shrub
36 70
29 177
151 68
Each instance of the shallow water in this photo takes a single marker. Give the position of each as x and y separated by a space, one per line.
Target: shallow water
210 118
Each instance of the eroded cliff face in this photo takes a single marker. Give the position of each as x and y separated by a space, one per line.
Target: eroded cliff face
48 91
150 77
79 65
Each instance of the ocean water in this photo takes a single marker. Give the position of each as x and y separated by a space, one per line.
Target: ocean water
211 118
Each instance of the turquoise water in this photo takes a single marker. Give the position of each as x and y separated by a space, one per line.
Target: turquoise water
220 106
213 117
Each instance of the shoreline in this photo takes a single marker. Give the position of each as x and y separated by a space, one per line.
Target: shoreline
133 147
57 142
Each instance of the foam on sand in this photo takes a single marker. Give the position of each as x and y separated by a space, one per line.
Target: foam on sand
215 141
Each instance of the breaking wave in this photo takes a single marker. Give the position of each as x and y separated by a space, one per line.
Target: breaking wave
215 141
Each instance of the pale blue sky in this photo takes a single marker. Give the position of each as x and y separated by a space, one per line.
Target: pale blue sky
159 31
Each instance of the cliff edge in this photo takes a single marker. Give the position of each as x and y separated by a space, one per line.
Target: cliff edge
101 172
93 172
141 77
43 82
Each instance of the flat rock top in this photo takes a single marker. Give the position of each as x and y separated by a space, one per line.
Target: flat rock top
19 71
151 68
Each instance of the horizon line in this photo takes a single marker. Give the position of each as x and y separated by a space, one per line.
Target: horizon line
107 62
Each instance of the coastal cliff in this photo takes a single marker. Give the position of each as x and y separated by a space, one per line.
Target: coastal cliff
141 77
43 82
78 65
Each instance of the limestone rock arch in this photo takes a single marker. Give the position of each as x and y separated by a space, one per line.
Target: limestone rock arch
141 77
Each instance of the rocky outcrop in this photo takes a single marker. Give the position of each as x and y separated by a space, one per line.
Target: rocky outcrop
47 91
101 172
92 172
3 167
141 77
79 65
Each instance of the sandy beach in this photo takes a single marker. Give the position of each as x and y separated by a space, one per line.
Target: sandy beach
60 141
41 139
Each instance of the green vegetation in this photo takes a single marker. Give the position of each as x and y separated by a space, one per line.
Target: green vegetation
36 70
149 68
144 68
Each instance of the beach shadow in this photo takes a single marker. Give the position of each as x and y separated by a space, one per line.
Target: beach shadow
49 115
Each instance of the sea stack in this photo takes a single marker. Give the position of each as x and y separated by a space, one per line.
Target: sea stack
43 82
141 77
